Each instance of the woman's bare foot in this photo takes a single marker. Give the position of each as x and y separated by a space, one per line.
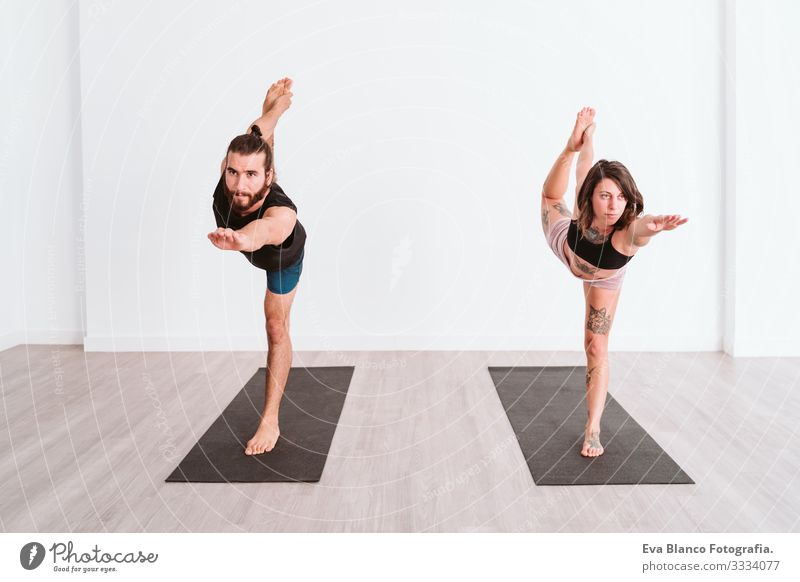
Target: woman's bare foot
584 120
587 134
591 443
265 438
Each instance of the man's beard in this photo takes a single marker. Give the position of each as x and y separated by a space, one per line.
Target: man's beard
240 208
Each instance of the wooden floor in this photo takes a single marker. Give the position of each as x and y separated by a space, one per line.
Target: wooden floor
423 444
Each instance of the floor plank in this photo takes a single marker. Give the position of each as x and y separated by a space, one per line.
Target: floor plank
423 444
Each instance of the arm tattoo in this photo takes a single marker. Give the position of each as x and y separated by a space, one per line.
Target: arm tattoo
562 210
599 321
584 267
545 219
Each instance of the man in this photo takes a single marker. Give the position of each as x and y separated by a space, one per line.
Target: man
255 216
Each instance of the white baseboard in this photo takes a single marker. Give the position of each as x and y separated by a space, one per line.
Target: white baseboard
750 347
395 343
41 337
764 348
175 344
9 340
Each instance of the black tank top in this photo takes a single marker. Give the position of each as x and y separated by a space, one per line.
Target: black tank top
268 257
602 256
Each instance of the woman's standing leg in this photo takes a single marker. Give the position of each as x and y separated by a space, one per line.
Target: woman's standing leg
601 305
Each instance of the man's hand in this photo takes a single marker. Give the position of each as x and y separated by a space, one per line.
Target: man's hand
228 239
665 222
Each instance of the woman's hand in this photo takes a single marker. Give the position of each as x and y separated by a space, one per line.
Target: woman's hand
665 222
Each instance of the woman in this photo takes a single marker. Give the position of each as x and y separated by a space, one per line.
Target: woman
596 241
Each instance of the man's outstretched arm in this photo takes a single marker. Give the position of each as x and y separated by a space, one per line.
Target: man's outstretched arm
276 225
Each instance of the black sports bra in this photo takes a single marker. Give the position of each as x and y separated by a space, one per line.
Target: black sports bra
602 256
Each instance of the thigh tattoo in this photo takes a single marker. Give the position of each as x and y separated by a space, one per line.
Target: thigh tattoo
599 321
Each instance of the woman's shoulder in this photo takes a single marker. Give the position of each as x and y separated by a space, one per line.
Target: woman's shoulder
622 241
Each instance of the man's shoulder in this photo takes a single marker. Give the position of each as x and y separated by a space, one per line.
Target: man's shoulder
275 191
277 197
219 190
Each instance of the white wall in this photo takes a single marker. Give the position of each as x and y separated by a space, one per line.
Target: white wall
764 268
416 147
40 176
10 323
459 97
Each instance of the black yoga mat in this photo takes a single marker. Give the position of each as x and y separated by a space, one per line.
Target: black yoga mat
547 410
310 409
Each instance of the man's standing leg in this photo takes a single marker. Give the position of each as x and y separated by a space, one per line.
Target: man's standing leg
279 360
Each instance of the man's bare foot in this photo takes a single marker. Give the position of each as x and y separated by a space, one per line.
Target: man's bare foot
591 443
276 90
265 438
272 94
584 120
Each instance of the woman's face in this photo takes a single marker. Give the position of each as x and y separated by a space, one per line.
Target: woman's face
608 202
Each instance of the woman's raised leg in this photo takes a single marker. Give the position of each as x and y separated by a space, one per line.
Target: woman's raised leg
586 153
555 185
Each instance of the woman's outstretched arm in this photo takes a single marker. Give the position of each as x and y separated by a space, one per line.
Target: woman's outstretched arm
649 225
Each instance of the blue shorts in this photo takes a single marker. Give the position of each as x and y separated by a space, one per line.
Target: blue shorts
284 281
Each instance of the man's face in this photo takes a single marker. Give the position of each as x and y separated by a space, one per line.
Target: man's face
246 184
